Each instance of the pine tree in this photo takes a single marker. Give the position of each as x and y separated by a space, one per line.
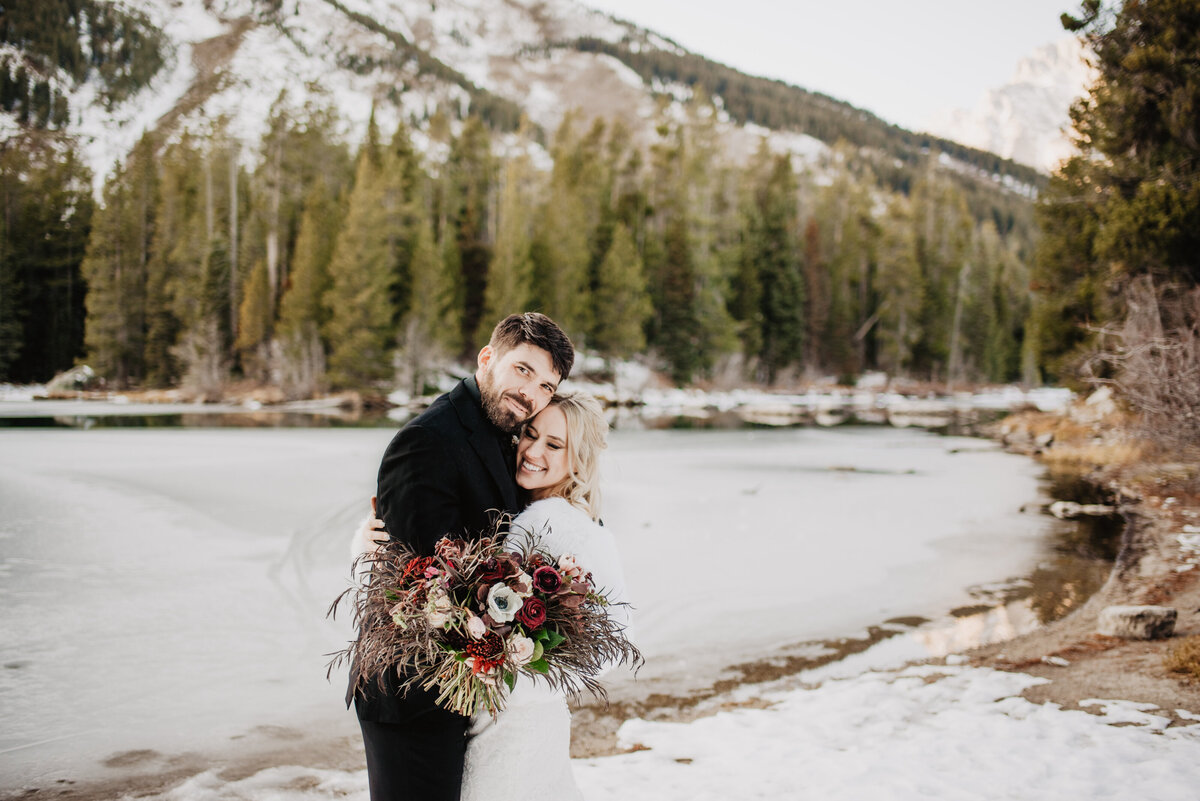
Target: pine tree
196 255
12 335
1072 290
679 328
177 255
691 326
469 184
300 154
622 302
432 331
774 251
510 273
302 313
745 298
711 200
361 328
115 268
848 229
255 322
816 295
1128 205
561 269
943 236
45 216
898 282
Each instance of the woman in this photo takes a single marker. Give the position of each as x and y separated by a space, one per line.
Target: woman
528 744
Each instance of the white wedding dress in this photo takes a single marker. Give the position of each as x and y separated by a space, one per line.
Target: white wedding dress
524 753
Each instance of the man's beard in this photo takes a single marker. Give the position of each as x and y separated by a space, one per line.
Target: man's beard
497 411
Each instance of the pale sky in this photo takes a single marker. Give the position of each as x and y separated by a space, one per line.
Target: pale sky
903 60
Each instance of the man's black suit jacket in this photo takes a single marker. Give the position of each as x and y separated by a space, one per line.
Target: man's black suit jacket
447 472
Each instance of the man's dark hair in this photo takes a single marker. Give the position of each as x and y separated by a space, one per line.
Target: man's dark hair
538 330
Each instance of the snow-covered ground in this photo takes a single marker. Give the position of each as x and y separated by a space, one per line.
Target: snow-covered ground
162 591
913 734
916 733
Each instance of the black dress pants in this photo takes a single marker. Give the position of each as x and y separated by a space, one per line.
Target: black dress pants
418 760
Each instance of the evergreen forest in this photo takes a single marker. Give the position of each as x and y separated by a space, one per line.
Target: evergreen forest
309 263
323 267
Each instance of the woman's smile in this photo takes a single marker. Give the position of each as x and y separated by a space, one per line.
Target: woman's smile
542 453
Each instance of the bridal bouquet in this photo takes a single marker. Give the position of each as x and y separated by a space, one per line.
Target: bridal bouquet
475 615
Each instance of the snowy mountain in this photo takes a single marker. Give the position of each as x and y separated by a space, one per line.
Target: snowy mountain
226 62
230 60
1026 119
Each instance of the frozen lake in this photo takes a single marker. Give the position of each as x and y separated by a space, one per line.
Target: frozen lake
163 591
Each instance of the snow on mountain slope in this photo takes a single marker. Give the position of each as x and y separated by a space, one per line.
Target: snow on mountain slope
228 61
1026 119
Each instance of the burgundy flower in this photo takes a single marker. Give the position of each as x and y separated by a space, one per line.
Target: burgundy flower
490 571
511 564
547 579
532 613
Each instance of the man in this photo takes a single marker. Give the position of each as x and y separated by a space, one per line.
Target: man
450 471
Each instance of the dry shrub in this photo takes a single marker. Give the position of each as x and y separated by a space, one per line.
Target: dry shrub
1118 455
1184 657
1154 358
1036 424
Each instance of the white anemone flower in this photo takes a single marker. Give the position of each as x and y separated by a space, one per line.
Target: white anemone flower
503 604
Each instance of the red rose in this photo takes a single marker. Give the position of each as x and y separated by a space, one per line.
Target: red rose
532 613
547 580
491 571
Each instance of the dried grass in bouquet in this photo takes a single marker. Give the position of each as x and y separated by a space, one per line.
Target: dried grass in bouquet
477 614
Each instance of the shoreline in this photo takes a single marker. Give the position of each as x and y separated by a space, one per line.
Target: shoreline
1153 567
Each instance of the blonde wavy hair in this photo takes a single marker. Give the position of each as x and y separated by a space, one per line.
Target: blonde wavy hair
587 435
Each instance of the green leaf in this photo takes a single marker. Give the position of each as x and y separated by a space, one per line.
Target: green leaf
538 651
539 665
510 679
554 639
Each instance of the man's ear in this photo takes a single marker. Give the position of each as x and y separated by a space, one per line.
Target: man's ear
485 355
